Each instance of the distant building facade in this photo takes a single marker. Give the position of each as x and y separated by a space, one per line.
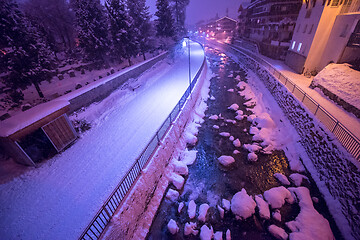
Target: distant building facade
270 23
326 31
221 28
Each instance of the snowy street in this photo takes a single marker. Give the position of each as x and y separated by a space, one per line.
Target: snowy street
58 199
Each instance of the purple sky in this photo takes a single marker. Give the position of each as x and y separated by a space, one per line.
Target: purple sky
205 9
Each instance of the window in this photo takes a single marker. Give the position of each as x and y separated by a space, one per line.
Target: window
293 45
311 28
335 3
305 28
299 47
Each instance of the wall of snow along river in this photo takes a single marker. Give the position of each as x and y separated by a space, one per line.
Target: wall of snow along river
334 170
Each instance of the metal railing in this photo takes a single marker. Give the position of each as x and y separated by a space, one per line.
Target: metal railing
104 215
345 136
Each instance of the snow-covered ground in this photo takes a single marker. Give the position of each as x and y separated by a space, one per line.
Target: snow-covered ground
350 121
58 199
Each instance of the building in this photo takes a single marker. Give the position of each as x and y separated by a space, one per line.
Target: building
326 31
221 28
270 23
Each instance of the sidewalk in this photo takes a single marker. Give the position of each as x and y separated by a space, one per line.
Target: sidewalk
351 122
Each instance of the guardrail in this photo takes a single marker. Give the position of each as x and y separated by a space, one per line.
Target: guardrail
104 215
345 136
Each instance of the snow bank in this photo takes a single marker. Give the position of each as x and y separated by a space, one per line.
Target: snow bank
277 196
190 228
278 232
342 81
297 178
282 178
263 207
172 227
226 160
192 209
309 224
242 205
206 233
203 211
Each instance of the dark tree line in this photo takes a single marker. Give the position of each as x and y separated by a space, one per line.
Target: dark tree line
38 34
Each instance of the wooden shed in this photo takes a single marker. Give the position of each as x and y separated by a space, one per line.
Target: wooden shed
37 133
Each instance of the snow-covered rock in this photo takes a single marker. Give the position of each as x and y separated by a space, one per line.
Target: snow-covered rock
206 233
180 167
216 127
221 211
172 227
309 224
214 117
231 138
190 228
241 85
203 211
254 130
277 215
230 121
252 147
188 157
243 205
236 152
224 134
190 138
226 160
180 207
297 178
282 178
226 204
230 90
252 157
278 232
177 180
212 98
237 143
228 234
172 194
234 107
218 236
192 209
277 196
251 118
263 207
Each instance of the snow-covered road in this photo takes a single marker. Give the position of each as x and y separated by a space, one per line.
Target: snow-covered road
58 199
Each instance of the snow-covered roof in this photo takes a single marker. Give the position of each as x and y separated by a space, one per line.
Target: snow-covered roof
25 119
226 18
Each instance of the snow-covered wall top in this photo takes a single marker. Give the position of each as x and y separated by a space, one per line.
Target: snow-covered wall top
25 119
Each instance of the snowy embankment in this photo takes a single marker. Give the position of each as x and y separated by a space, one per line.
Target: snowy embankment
332 168
268 134
63 194
341 80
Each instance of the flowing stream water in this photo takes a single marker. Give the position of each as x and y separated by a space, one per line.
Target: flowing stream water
209 182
